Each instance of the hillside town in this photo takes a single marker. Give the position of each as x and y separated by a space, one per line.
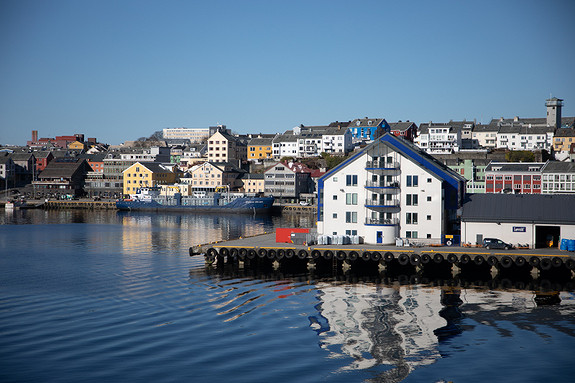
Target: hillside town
380 180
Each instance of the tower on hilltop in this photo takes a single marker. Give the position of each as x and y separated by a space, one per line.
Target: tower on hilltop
554 111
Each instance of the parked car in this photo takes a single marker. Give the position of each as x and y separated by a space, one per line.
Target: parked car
494 243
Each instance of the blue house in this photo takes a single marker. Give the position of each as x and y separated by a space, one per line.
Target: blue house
368 129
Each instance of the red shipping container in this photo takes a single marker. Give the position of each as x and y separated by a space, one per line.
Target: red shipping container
283 235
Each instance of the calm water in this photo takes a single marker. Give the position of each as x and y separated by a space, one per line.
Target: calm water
114 297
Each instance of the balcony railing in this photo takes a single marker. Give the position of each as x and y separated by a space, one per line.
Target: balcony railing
385 185
394 202
382 222
381 165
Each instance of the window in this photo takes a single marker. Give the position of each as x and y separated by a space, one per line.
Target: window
428 198
351 198
411 218
351 217
428 236
429 218
412 181
334 215
351 180
351 232
411 199
335 197
429 180
411 234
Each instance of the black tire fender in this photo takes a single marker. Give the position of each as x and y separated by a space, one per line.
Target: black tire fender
403 259
506 261
415 259
375 256
438 258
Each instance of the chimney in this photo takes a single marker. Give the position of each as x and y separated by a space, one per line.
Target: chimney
34 136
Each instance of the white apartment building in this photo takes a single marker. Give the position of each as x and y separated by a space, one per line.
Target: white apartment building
525 137
439 139
192 134
390 189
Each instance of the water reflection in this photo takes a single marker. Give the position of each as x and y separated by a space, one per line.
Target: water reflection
395 329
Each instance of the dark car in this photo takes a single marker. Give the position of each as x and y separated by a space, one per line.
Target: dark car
494 243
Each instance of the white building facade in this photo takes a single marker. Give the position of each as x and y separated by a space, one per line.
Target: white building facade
388 190
192 134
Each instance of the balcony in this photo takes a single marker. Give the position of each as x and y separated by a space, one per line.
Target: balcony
381 222
381 203
389 186
369 165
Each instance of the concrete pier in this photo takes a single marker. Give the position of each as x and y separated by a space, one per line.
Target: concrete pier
455 261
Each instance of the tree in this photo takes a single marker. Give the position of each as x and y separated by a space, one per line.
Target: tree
519 156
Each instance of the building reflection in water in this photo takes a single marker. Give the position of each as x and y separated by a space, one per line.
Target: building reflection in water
402 327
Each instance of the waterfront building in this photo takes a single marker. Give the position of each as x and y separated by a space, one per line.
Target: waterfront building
210 176
390 189
7 169
253 183
513 177
533 220
24 167
192 134
146 174
285 145
287 180
62 177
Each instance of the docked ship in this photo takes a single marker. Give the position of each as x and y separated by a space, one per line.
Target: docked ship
150 199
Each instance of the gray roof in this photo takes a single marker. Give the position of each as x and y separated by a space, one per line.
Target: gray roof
514 166
21 156
485 128
261 141
565 132
155 167
401 126
559 167
62 168
366 122
520 208
525 129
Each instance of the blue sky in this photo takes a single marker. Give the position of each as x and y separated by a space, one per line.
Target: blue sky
118 70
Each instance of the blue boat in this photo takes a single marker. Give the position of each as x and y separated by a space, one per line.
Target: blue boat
232 203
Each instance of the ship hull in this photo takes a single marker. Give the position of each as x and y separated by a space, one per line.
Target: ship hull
255 205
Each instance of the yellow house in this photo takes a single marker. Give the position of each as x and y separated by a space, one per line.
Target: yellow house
253 183
146 174
260 148
563 139
77 145
209 176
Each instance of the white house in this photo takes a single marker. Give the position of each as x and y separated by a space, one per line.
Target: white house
390 189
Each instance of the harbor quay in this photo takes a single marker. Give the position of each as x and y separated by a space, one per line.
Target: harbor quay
263 251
